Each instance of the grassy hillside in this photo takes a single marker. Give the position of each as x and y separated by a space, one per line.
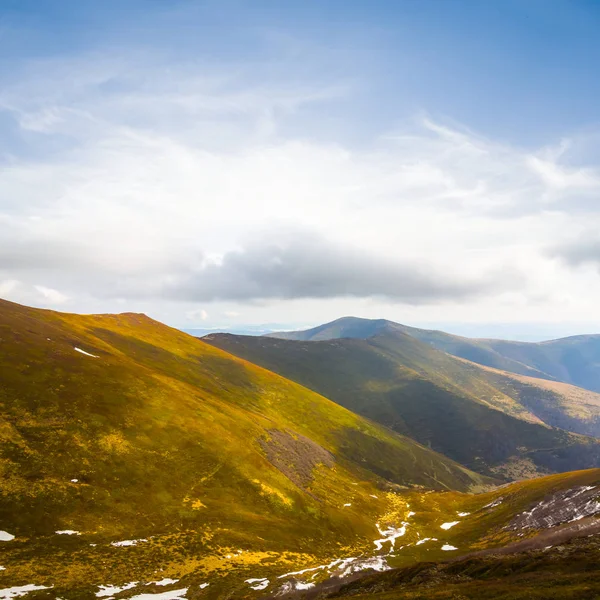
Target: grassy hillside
120 428
536 395
574 360
501 551
533 539
455 407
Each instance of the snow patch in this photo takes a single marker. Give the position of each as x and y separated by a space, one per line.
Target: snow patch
258 584
67 532
449 525
128 542
447 547
463 514
20 590
165 581
6 537
74 480
389 535
377 563
426 540
348 504
565 506
111 590
203 585
84 352
494 503
303 586
170 595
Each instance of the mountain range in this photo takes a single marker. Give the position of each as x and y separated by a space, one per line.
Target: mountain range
496 422
137 461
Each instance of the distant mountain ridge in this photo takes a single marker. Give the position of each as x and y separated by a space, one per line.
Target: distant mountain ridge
492 421
574 359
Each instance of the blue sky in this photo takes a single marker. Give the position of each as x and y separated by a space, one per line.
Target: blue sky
525 70
220 163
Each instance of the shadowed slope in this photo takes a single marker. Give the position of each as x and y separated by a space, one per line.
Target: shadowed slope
574 360
453 406
521 389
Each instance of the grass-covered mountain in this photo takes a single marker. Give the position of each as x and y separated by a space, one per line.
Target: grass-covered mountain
574 360
487 420
116 428
138 462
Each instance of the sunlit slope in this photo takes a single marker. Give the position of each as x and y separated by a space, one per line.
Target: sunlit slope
453 406
533 539
158 430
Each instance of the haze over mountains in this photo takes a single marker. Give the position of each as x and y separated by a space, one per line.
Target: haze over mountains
575 359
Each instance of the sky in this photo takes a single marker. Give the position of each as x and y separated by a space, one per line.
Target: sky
232 163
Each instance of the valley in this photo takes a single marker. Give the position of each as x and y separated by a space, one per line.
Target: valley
140 462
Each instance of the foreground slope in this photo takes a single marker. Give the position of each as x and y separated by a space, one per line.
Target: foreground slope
149 449
455 407
537 539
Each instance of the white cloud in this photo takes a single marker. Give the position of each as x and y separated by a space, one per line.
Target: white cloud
198 314
8 286
163 172
50 295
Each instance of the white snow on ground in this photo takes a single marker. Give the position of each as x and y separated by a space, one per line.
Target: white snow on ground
74 480
304 586
6 537
410 514
426 540
86 353
20 590
463 514
448 525
203 585
348 504
377 563
389 535
373 495
494 503
170 595
111 590
258 584
2 568
302 572
67 532
448 547
562 507
166 581
128 542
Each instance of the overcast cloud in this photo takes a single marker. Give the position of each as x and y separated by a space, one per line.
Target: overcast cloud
220 190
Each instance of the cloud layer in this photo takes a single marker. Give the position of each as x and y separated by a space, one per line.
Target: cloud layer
191 190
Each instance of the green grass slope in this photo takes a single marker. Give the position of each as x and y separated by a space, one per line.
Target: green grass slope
574 360
454 407
120 428
516 373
